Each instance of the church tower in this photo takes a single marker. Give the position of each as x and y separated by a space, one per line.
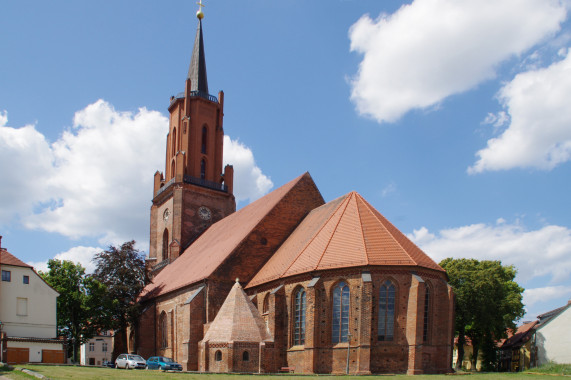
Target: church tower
195 190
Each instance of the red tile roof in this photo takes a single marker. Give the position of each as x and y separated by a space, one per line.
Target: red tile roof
6 258
345 232
238 320
521 336
217 243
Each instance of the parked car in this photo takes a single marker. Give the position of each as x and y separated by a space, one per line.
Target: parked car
160 362
108 363
129 361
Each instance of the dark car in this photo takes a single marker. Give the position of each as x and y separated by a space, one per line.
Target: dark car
108 363
161 362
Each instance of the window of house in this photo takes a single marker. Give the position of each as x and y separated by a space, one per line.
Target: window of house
6 275
91 347
218 355
386 311
163 332
340 322
91 361
426 314
26 280
22 306
245 356
104 347
299 318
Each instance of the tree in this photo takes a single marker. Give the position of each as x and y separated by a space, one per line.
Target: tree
488 303
80 305
122 271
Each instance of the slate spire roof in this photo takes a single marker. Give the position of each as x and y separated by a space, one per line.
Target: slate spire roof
197 68
346 232
238 320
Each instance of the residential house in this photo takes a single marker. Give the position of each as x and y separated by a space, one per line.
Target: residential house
553 336
28 328
97 350
517 353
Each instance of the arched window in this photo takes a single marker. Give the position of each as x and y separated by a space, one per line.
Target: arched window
245 356
204 140
165 253
340 323
173 142
163 330
172 169
299 318
386 311
266 304
426 314
203 169
218 355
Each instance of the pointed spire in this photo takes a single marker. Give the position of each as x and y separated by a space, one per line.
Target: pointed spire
197 69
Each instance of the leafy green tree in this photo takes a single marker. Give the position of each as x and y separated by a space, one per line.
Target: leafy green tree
81 308
488 302
122 271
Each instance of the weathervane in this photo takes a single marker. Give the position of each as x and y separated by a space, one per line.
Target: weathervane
199 13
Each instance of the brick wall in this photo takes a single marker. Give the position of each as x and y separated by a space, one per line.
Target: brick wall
367 354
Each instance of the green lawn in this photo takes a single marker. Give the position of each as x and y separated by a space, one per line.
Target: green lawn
73 372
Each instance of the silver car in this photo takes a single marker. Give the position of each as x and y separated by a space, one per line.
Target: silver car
129 361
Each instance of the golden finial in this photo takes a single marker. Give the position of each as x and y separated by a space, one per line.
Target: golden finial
199 13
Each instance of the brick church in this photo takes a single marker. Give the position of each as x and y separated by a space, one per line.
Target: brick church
287 282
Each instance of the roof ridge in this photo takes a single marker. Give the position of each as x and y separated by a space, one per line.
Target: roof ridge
362 229
385 227
313 238
346 201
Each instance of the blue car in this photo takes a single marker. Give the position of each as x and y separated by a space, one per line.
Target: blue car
160 362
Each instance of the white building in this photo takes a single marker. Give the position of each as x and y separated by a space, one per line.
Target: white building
97 350
28 329
553 336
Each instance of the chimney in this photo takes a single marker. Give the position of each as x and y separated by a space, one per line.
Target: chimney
0 242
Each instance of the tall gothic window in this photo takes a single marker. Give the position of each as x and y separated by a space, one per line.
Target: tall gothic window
174 142
203 169
340 324
299 318
204 140
165 252
426 314
163 330
386 311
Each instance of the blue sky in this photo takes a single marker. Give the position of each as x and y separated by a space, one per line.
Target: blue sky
452 118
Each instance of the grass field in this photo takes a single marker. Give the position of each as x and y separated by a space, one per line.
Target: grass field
75 372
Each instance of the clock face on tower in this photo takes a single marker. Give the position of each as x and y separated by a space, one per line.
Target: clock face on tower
204 213
166 214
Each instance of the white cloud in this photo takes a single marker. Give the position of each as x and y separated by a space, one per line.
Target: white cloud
102 175
545 294
26 164
249 181
96 179
431 49
81 255
542 252
539 135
